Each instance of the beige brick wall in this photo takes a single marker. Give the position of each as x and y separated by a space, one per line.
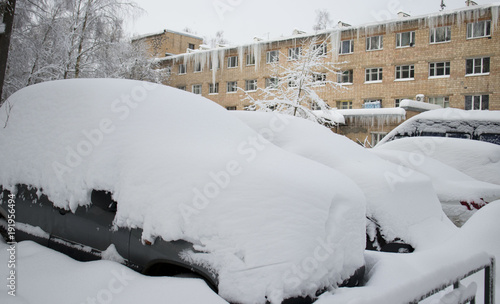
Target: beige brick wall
171 42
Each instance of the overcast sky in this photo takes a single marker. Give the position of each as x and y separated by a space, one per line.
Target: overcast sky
241 20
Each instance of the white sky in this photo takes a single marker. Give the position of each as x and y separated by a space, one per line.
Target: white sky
241 20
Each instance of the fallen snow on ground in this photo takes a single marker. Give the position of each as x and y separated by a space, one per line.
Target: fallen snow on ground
478 159
46 276
182 167
405 207
397 278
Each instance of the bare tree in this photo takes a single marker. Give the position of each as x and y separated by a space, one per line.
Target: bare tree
323 20
8 10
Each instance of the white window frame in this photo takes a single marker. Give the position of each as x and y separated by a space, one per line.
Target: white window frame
232 87
434 31
323 49
196 89
251 85
399 39
480 99
213 88
481 65
232 62
294 53
349 74
250 60
197 68
437 101
371 100
272 83
350 47
485 25
377 45
401 69
435 67
345 104
377 137
319 79
182 88
374 71
182 69
272 56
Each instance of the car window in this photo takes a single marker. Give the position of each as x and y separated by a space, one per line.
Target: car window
431 133
458 135
491 138
103 199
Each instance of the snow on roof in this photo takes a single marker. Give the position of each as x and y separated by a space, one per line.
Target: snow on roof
183 167
410 104
139 37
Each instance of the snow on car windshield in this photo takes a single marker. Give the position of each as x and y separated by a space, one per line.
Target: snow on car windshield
269 222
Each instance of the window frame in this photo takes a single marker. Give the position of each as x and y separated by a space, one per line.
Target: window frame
323 47
344 105
234 88
182 71
250 62
399 39
351 47
482 66
410 71
372 100
229 61
197 68
380 43
433 34
294 53
274 59
272 85
482 102
350 76
251 85
445 103
434 68
370 71
213 88
471 29
319 79
199 86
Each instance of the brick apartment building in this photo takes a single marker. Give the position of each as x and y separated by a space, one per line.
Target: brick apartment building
452 58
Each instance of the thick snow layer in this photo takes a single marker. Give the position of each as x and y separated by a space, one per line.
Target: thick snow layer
478 159
45 276
182 167
404 206
415 104
398 278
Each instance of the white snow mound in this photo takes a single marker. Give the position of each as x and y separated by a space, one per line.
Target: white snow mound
269 222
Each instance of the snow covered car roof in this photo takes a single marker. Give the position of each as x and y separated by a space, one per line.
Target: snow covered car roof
450 122
270 223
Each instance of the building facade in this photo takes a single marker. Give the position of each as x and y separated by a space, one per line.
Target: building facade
451 59
168 43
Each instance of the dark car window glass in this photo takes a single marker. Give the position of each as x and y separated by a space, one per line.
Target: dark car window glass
458 135
491 138
435 134
103 200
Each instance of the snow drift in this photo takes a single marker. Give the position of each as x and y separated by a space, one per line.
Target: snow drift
269 222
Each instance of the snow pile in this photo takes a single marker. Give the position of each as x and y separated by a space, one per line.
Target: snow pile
477 159
399 278
373 117
403 206
269 222
46 276
414 104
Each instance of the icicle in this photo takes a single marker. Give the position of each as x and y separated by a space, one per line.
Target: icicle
241 54
335 37
494 17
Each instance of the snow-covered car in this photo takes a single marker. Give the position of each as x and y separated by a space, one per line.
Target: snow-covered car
450 122
164 180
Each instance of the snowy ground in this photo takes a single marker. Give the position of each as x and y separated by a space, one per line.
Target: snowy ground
46 276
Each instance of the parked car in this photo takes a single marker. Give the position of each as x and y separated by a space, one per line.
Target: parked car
169 183
449 122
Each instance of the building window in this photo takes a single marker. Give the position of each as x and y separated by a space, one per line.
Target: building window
211 66
272 56
397 102
443 101
232 86
406 39
272 83
439 69
231 108
197 67
377 137
191 46
345 77
477 66
373 75
182 88
213 88
232 62
372 104
346 47
319 78
251 85
440 34
197 89
250 59
374 43
477 102
320 49
405 72
479 29
294 53
182 69
344 105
